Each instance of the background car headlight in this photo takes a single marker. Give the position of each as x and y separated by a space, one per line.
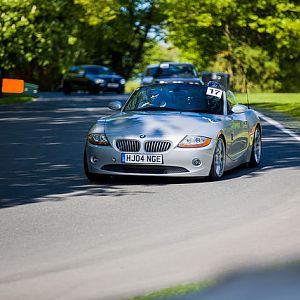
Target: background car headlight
122 81
98 139
194 141
99 80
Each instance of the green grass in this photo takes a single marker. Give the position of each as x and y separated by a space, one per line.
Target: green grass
178 290
287 103
14 99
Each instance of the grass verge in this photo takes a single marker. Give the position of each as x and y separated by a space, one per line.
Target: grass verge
179 290
14 99
287 103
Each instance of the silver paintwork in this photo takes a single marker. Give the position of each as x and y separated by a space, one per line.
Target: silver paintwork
237 128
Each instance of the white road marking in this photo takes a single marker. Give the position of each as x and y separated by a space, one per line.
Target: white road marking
279 126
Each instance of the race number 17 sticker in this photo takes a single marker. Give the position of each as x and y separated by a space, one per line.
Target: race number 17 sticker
214 92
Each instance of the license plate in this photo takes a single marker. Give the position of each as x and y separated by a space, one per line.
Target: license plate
141 158
113 85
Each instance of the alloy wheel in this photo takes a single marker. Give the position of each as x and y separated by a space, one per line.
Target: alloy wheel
219 158
257 145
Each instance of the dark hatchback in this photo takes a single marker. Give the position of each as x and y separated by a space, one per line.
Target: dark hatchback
171 72
92 78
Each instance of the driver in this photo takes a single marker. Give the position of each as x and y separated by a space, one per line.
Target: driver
215 104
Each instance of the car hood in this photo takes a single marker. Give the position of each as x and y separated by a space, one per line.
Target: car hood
177 79
104 76
167 125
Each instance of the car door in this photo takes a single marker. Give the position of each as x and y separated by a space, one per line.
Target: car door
71 77
80 79
238 130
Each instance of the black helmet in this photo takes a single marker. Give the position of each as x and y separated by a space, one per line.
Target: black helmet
215 84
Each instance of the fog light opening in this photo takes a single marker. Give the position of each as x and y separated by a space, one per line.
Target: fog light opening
93 159
196 162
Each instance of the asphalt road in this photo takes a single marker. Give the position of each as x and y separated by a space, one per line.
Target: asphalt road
62 237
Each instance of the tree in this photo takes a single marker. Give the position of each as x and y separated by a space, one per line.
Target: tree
157 52
38 39
121 41
254 40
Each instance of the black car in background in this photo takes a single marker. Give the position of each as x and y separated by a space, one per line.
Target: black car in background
171 72
92 78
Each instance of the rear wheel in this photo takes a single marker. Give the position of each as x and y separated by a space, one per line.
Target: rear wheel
256 149
218 163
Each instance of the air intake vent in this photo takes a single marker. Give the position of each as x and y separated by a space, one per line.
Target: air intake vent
157 146
137 169
128 145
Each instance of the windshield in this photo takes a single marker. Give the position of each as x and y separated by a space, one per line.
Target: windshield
98 70
175 97
178 70
151 71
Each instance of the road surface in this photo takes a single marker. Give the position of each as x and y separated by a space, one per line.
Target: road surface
62 237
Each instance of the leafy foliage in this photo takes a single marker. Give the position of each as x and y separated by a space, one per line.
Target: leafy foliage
155 53
38 38
121 42
257 40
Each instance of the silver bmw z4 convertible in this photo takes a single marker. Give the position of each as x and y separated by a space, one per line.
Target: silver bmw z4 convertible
174 129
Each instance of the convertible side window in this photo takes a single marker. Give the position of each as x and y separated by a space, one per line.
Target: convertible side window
133 101
231 101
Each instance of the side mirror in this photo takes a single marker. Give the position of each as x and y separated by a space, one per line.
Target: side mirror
239 108
115 105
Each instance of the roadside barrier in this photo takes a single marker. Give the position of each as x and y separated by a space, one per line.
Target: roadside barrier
30 89
17 86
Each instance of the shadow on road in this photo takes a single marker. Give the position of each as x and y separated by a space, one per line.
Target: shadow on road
42 144
280 151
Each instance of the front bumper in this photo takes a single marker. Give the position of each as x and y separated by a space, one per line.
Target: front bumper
105 87
177 162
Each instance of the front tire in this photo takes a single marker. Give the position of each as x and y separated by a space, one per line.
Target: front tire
121 91
256 149
67 89
93 89
218 163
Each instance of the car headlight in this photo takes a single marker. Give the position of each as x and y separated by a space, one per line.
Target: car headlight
194 141
122 81
99 80
98 139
